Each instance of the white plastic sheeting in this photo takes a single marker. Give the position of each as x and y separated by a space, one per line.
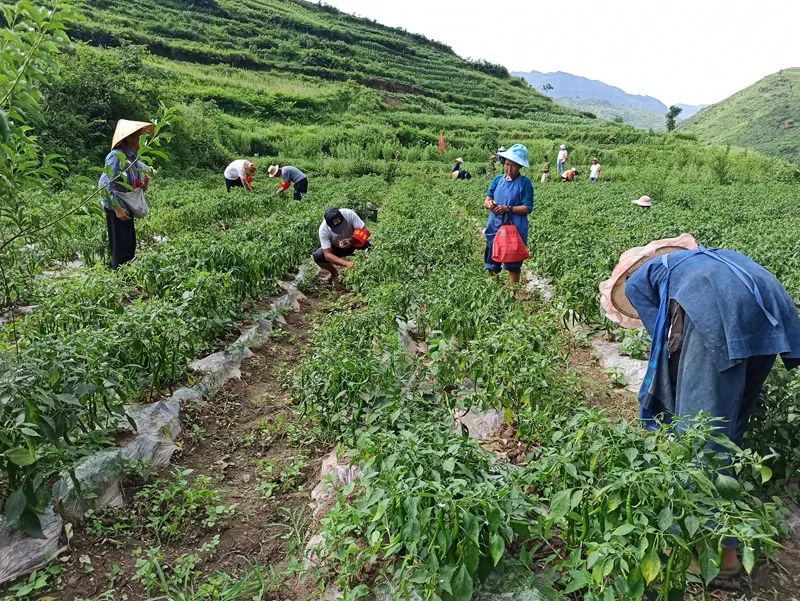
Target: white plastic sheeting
20 554
100 475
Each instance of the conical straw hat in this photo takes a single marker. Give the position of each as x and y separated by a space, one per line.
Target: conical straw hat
615 304
125 128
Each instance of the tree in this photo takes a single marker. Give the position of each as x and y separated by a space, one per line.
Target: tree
672 113
546 87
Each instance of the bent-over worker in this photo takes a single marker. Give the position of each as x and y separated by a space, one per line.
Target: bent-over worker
718 320
290 175
569 175
239 174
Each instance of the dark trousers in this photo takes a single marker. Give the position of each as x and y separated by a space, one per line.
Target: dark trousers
300 189
319 254
233 183
121 239
729 397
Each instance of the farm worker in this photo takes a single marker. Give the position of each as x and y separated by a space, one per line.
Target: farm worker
545 169
594 171
458 172
500 158
341 233
510 195
123 167
562 158
717 319
492 165
239 174
290 175
643 201
442 144
569 175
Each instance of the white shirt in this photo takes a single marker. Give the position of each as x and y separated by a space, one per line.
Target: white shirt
594 170
327 239
235 170
562 154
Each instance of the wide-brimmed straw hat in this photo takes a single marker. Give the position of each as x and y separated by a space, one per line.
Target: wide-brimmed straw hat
613 301
273 170
459 160
643 201
127 128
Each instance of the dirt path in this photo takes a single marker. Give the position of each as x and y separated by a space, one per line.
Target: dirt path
262 457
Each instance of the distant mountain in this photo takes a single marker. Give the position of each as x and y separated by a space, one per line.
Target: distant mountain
689 110
764 116
604 100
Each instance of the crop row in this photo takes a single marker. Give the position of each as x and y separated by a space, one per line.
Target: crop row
97 340
590 506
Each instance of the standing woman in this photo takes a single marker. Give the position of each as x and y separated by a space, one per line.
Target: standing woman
510 197
123 167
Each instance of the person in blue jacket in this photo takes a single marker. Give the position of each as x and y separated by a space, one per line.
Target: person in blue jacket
509 198
718 321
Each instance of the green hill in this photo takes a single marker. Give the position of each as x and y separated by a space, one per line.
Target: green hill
764 116
300 38
639 118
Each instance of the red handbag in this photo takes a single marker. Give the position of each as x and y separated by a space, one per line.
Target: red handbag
508 246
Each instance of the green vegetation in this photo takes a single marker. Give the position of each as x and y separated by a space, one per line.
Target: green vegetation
593 507
764 117
636 117
606 507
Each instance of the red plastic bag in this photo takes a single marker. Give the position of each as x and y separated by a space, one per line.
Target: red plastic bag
508 246
360 237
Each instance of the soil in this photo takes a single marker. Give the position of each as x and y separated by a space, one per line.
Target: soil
252 426
248 434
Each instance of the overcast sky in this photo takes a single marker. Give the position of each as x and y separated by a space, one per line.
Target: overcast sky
690 51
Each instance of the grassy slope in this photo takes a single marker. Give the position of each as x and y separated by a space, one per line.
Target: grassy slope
639 118
764 116
306 39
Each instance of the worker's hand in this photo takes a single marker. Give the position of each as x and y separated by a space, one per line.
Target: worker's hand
345 243
488 203
280 190
122 214
498 209
349 264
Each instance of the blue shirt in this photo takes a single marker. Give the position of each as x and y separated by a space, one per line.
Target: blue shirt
720 292
108 198
517 192
292 174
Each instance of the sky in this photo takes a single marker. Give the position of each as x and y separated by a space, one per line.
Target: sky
687 51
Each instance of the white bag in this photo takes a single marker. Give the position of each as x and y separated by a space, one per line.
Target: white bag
135 201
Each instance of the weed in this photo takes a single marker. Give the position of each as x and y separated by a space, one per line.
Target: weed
38 581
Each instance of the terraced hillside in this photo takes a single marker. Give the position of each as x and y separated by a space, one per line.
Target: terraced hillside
306 39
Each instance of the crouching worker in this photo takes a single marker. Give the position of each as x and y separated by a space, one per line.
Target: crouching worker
341 233
718 320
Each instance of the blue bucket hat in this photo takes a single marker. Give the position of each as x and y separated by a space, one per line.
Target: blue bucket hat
517 154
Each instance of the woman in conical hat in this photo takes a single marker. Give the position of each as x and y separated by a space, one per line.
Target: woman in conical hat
123 167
